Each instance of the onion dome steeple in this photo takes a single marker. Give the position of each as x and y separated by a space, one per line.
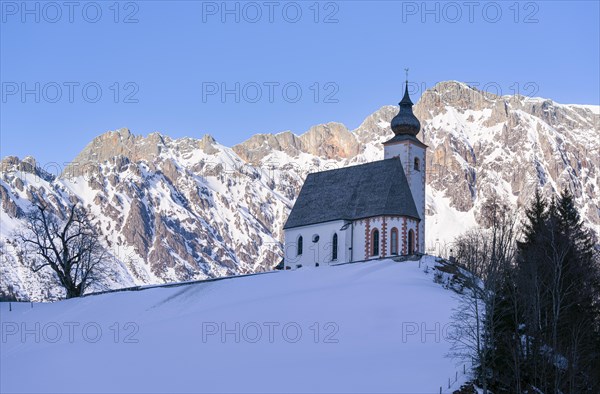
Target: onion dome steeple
406 122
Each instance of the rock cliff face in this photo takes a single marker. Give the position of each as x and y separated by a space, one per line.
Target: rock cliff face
170 210
183 209
328 141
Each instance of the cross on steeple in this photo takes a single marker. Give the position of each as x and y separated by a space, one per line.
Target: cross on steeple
406 71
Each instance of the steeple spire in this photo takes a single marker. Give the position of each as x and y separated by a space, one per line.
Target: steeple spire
406 122
406 99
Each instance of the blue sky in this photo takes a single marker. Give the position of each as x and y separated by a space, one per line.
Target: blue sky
162 66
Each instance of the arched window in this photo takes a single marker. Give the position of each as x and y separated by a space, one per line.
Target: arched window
411 242
334 246
299 246
394 241
375 243
417 164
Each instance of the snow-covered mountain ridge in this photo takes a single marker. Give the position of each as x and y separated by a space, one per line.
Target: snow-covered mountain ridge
183 209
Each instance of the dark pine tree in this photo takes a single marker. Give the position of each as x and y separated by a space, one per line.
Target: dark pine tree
531 281
557 287
508 354
579 327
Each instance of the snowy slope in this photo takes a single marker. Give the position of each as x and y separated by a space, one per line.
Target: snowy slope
370 318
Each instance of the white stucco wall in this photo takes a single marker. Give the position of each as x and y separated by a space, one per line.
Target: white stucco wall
408 151
362 249
320 252
395 150
354 236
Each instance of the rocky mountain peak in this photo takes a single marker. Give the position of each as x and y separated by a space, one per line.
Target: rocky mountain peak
187 208
456 94
208 144
328 141
258 146
28 165
120 143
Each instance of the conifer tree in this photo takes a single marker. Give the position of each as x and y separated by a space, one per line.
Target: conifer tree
579 327
558 285
531 281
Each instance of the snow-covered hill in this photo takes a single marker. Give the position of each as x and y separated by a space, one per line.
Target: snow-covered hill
184 209
369 327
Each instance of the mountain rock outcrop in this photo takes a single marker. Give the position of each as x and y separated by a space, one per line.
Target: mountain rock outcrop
184 209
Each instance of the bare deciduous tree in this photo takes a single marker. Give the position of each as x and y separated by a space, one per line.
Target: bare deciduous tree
487 253
70 248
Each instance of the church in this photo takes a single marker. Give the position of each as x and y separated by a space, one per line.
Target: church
369 211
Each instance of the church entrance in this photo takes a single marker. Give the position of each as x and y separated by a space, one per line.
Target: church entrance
411 242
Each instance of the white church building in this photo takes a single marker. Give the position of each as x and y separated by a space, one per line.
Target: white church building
363 212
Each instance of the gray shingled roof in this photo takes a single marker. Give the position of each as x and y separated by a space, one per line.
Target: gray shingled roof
372 189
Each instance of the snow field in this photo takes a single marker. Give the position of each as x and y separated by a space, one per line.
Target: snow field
365 327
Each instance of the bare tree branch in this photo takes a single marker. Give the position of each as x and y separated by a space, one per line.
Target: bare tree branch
70 247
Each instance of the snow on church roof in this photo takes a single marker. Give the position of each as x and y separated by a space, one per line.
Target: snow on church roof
367 190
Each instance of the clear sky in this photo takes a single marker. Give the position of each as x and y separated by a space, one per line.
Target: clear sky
71 71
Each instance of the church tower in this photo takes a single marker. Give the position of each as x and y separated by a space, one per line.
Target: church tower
412 154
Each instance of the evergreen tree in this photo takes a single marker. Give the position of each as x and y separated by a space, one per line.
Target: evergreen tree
531 282
536 215
573 228
558 285
540 328
507 362
579 327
